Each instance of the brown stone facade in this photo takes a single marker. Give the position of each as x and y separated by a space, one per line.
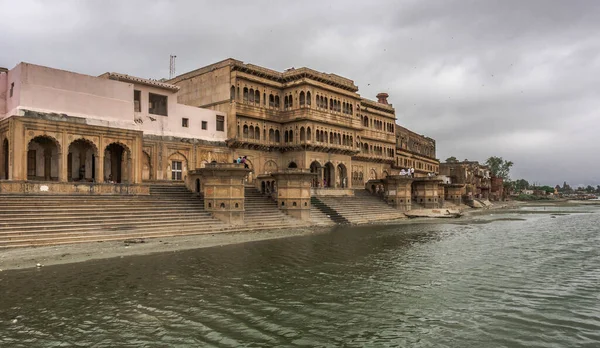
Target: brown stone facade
223 190
475 177
299 118
293 192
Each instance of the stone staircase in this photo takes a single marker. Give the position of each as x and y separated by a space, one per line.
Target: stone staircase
170 209
262 212
321 214
362 208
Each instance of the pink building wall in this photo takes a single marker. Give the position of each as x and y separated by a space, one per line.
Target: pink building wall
101 101
171 125
51 90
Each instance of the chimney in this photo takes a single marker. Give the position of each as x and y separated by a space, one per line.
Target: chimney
382 98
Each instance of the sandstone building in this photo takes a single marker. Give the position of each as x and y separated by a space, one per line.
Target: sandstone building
302 118
63 129
474 178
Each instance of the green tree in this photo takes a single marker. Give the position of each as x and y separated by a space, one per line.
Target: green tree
499 167
521 184
451 159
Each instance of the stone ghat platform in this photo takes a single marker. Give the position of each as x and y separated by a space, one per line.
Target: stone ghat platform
168 210
71 188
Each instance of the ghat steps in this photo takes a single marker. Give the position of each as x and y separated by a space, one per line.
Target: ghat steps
27 220
169 210
321 209
362 208
262 211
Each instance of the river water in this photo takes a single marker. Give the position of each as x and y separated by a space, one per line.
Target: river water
522 279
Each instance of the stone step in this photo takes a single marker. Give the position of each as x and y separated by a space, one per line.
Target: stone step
122 236
75 219
50 225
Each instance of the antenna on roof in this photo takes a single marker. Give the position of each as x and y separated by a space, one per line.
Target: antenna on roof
172 66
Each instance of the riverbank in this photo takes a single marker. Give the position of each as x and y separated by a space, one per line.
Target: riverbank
30 257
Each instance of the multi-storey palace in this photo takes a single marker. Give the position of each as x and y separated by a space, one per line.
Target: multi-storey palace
60 126
302 118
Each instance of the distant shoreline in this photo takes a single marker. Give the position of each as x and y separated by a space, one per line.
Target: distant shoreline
29 257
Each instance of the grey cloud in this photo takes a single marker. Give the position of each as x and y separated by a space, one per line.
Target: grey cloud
516 79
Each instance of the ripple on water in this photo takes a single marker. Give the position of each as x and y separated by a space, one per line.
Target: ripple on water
514 280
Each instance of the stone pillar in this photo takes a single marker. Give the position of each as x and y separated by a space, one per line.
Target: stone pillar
293 192
100 167
426 192
63 165
398 191
223 185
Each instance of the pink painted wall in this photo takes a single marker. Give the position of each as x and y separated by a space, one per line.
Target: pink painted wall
171 125
103 102
14 76
52 90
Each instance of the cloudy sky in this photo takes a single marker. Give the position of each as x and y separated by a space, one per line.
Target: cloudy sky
517 79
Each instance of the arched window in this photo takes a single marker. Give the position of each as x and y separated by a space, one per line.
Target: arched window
277 137
291 136
245 95
308 135
308 98
276 101
232 93
302 97
285 137
251 132
264 98
271 135
344 140
291 101
257 97
245 131
325 103
257 133
339 139
285 102
302 134
351 109
331 137
271 101
366 121
330 104
251 96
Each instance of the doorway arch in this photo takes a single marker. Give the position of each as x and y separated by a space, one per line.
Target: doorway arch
81 161
117 163
315 168
329 175
342 174
292 165
43 159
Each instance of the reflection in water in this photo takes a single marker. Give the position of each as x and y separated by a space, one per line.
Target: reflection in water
507 283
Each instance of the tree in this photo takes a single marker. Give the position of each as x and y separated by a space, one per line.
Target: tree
451 160
499 167
521 184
